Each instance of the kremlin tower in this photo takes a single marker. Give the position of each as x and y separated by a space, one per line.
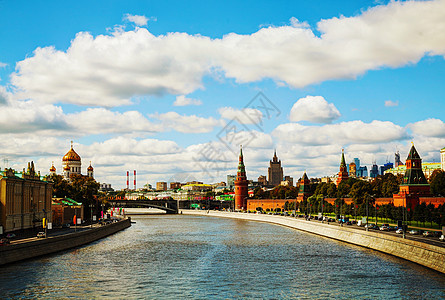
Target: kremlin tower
414 184
343 174
241 192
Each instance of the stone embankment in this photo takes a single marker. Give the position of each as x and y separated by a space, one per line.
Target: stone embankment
430 256
38 247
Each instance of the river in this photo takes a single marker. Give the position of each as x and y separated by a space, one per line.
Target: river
195 257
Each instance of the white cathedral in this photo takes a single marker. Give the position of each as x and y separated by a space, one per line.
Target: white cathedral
72 164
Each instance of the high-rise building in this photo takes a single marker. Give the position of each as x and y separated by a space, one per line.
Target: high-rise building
397 161
374 172
385 167
241 191
161 186
357 166
231 181
275 171
352 170
343 173
362 171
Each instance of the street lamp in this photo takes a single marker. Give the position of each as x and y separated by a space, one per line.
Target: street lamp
322 205
91 215
45 224
367 200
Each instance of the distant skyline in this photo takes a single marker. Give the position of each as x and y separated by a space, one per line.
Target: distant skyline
172 88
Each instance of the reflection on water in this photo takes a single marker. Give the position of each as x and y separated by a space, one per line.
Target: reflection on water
201 258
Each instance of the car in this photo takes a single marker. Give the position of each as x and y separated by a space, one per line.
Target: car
399 231
414 232
427 233
10 235
442 238
349 223
67 225
41 234
384 228
4 242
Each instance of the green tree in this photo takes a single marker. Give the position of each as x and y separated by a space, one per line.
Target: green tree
437 183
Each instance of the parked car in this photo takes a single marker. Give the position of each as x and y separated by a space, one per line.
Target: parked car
4 242
399 231
10 235
349 223
41 234
427 233
442 238
384 228
414 232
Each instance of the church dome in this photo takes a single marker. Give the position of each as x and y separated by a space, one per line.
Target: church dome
53 169
71 155
66 168
90 168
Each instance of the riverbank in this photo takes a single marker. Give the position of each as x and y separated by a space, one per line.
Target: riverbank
39 247
427 255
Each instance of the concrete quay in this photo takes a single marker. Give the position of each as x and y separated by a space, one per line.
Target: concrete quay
36 247
427 255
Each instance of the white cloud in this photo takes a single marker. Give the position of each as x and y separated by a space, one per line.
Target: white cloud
181 100
186 124
389 103
314 109
2 65
102 121
108 70
138 20
429 128
243 116
353 132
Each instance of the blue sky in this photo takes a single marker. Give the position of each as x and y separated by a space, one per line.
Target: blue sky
152 85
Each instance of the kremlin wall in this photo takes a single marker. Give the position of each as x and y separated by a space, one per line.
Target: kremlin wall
414 189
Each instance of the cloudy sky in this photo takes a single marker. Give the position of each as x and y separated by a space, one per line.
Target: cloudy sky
172 88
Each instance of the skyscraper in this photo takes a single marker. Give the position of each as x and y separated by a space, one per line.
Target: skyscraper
275 171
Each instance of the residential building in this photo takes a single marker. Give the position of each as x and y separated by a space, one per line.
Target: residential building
161 186
25 199
231 181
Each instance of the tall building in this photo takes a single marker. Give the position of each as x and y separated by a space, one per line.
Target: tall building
374 172
362 171
343 173
275 171
352 170
397 161
241 191
414 184
289 180
357 166
161 186
385 167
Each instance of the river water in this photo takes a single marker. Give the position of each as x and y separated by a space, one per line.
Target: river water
195 257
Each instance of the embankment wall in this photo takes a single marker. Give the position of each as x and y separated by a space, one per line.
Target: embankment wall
38 247
430 256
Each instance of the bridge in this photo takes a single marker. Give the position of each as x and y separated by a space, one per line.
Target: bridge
169 206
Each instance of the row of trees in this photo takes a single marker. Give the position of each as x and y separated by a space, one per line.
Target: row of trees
81 189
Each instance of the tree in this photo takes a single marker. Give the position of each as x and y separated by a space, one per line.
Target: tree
437 183
61 187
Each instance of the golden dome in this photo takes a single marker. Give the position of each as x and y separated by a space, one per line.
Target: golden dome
90 168
53 169
71 155
66 168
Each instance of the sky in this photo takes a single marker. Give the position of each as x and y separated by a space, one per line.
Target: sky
173 88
